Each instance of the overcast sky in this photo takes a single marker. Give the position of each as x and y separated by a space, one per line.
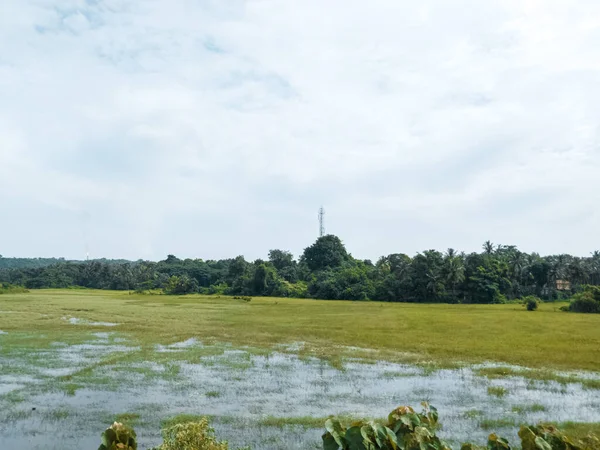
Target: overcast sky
213 128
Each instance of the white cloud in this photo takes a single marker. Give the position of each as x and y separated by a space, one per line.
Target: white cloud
216 128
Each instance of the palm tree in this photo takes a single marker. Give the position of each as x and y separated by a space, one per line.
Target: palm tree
594 268
454 270
577 271
488 248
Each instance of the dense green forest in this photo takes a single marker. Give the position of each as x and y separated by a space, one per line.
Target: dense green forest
34 263
326 270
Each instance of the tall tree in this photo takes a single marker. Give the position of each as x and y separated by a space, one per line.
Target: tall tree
328 252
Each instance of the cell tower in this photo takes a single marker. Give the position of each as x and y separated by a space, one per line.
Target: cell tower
321 221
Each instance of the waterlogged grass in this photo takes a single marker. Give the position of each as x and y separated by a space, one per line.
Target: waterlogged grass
497 391
333 330
308 422
213 394
538 375
183 418
497 424
304 422
580 430
522 409
473 414
71 388
130 419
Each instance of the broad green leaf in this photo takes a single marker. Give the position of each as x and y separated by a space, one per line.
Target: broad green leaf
541 444
329 443
392 439
355 439
337 431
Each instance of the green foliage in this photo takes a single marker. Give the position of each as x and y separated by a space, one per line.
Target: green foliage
587 301
547 437
350 282
326 270
191 436
327 252
181 285
7 288
497 391
406 430
117 437
531 302
292 290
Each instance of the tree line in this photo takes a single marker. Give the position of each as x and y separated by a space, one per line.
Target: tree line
326 270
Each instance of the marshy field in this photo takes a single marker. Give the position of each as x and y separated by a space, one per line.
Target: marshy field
268 371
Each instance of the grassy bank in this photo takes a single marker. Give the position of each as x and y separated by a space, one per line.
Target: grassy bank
440 334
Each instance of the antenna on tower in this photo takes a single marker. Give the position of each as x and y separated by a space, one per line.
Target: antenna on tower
321 221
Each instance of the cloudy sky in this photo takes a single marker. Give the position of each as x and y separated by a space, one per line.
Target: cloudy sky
212 128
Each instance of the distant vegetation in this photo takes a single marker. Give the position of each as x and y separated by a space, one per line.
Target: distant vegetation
326 270
6 288
36 263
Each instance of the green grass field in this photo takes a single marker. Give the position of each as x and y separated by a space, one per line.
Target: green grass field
442 335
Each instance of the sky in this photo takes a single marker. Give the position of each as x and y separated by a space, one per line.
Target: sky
214 128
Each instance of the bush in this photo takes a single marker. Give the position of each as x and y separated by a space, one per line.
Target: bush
191 436
584 304
531 302
587 301
117 437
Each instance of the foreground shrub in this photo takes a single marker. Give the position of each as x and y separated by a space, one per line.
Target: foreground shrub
191 436
118 437
408 430
404 430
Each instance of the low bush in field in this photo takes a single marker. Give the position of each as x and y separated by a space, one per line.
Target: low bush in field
531 302
405 430
587 301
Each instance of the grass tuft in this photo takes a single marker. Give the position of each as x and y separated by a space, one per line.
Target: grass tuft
497 391
129 418
183 418
495 424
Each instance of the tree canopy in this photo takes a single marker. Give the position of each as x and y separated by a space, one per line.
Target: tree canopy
326 270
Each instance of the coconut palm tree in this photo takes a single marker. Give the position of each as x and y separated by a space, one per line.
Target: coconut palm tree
454 270
488 248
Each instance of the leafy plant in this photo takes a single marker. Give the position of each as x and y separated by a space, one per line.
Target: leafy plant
191 436
118 437
531 302
547 437
587 301
6 288
406 430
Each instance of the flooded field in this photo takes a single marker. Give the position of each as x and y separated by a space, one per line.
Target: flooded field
63 396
